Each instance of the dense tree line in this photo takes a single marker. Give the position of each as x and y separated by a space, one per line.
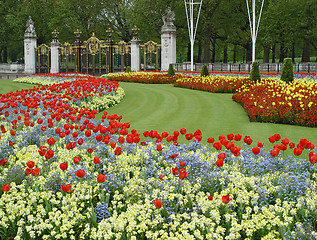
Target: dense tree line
288 28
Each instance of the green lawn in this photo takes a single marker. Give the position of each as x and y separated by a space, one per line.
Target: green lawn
166 108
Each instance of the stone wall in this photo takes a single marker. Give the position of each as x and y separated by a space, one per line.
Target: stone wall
12 68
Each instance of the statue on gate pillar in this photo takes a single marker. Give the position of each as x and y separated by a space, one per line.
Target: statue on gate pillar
30 44
168 40
169 18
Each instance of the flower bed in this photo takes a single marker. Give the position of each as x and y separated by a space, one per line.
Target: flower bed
217 84
143 77
273 100
66 175
77 90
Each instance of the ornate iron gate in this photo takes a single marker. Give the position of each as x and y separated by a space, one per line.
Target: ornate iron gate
121 56
42 59
94 56
150 56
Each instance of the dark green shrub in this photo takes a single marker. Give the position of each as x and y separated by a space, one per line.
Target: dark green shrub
255 72
204 71
128 69
287 71
171 71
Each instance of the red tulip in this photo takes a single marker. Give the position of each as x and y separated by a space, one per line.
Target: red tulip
80 173
121 139
272 139
161 177
157 203
248 140
96 160
260 145
35 171
3 162
210 197
291 145
210 140
63 166
298 151
51 141
90 150
237 137
277 137
30 164
256 150
117 151
175 171
230 136
217 145
182 164
173 156
274 152
182 174
219 162
66 188
113 144
313 158
28 171
183 131
159 147
77 159
101 178
75 134
6 188
226 199
285 141
221 155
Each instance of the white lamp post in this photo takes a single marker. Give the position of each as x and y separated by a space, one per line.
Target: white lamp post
191 29
254 31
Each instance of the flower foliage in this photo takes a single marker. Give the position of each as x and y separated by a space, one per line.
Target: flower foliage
216 84
95 179
275 101
142 77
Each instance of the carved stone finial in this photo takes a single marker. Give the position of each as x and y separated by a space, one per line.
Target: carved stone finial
30 30
169 17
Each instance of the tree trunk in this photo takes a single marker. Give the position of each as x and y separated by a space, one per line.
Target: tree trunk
5 55
207 37
225 53
188 52
273 53
248 54
213 56
293 51
0 55
199 51
306 51
234 60
266 54
283 52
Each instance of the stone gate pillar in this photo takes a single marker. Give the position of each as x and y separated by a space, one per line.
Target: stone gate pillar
135 50
168 40
55 53
30 43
